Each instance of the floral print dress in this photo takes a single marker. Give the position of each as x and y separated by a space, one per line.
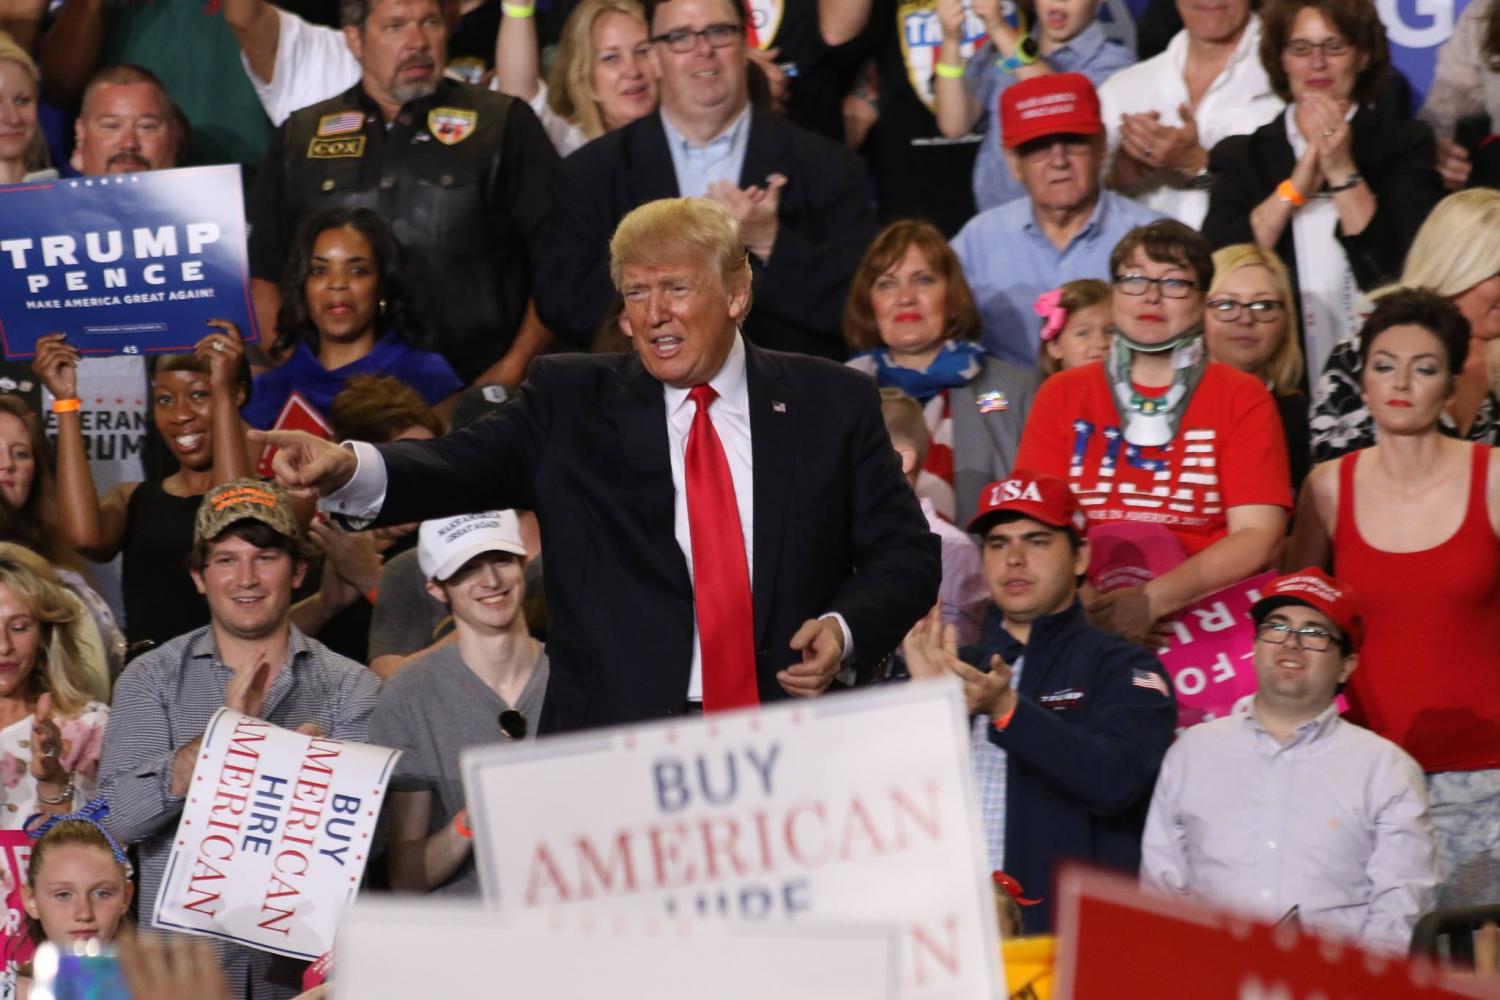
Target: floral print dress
83 739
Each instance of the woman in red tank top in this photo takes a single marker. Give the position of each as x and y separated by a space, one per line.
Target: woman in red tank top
1413 525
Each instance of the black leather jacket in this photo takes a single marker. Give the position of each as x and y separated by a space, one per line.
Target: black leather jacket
462 176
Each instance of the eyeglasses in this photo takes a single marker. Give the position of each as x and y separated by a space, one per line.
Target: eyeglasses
1314 640
1170 288
1261 310
513 724
719 36
1301 48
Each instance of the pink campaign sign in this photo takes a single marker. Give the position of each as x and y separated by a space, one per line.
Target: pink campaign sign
16 848
1209 656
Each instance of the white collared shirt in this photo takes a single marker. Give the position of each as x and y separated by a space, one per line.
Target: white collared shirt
1332 302
730 414
1239 101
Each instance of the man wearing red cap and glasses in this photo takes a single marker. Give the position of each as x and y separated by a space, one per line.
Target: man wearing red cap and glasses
1285 806
1070 722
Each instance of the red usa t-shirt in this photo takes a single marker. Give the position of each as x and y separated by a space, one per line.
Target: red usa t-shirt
1229 452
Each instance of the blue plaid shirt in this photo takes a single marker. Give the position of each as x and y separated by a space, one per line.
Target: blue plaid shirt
162 702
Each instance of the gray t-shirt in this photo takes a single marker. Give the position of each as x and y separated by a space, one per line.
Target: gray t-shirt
431 711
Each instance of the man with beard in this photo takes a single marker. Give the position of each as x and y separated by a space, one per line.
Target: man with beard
461 173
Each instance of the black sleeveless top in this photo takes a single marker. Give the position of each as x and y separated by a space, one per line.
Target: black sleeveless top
160 599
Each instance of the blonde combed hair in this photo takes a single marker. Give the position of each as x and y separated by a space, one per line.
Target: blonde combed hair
12 52
61 669
1284 368
1456 248
570 80
672 231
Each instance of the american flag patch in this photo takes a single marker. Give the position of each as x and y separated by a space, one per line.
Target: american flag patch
1151 682
342 123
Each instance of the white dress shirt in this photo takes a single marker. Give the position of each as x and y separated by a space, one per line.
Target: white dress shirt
360 499
730 414
1239 101
1333 822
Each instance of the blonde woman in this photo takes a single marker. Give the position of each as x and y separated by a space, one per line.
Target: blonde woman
1456 253
23 151
1249 323
53 706
601 78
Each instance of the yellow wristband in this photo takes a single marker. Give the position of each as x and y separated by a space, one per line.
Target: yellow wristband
518 10
66 405
949 72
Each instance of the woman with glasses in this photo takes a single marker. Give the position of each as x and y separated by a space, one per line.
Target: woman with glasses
1412 524
1160 435
1248 325
1457 254
1333 185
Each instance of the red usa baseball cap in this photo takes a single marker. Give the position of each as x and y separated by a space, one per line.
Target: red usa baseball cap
1317 590
1031 494
1055 104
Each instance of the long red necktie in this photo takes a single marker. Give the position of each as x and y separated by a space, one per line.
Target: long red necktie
721 575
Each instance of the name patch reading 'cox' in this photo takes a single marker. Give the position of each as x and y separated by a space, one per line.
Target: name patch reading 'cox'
333 149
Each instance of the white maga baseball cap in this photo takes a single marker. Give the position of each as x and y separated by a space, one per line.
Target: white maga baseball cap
445 544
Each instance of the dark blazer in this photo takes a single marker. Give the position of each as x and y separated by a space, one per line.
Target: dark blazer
1396 158
826 224
584 444
1082 750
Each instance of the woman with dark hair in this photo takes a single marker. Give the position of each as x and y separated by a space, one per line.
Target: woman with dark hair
195 401
911 316
1334 185
1412 524
345 311
1157 436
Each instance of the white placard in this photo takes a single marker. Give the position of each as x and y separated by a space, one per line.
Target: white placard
397 950
858 807
274 836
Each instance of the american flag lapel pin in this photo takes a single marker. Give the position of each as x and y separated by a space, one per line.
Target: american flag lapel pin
777 406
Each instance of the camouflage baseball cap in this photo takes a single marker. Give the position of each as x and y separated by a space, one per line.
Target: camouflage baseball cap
240 500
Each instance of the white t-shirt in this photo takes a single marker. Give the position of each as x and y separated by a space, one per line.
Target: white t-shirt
313 63
1239 101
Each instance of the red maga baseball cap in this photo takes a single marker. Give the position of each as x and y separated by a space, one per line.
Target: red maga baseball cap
1055 104
1031 494
1317 590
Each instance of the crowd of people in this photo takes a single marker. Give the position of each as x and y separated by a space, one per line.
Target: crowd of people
807 358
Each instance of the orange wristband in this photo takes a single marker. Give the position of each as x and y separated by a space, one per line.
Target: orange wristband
67 405
371 594
1287 192
1004 720
461 825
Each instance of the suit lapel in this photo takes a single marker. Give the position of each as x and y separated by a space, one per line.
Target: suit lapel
633 403
653 176
775 415
764 150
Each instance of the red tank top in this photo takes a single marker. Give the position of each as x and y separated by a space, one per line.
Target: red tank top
1429 671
